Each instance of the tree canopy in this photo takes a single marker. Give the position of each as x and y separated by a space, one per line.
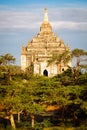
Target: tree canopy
61 97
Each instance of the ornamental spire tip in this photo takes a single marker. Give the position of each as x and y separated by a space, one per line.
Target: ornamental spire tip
45 15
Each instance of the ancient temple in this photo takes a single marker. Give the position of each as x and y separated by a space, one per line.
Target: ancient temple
41 48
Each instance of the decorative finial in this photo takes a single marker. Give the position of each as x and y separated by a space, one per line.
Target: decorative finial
45 15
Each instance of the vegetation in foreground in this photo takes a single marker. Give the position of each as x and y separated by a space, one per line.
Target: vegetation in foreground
38 102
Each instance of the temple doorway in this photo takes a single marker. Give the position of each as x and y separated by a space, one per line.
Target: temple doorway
45 72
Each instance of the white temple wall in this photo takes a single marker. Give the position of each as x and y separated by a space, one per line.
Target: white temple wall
23 62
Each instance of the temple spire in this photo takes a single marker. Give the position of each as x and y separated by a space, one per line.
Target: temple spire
45 15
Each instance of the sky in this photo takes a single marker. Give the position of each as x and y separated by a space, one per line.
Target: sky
20 20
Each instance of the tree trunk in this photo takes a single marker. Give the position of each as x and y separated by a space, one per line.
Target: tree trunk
10 77
75 118
19 117
12 121
32 121
63 116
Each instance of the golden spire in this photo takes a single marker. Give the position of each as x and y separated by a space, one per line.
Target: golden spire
45 15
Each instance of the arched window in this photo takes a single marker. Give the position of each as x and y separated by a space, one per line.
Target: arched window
62 69
45 72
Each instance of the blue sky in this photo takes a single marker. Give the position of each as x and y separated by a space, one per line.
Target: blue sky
20 20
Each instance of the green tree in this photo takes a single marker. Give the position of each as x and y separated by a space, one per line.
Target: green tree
11 101
59 59
79 56
7 67
7 59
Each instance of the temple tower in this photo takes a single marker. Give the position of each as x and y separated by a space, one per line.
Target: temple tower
41 48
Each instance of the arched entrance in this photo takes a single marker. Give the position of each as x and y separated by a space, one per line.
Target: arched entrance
45 72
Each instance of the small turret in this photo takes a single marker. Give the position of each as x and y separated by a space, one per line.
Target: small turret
23 48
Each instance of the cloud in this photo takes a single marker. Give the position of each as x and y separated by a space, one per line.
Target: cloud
70 14
82 26
61 18
18 20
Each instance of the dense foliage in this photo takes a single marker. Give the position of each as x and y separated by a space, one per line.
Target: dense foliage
36 102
